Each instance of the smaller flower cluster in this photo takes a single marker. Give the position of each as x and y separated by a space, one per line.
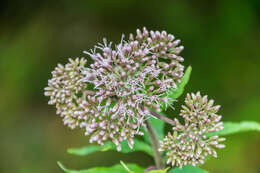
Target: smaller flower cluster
64 87
189 143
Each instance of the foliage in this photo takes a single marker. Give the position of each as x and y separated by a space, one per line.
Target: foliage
138 146
159 171
229 128
232 128
132 168
173 94
188 169
114 169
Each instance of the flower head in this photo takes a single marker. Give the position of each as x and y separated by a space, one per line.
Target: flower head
189 143
64 87
105 98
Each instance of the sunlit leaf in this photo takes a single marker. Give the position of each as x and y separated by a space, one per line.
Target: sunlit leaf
159 171
114 169
231 128
173 94
126 167
138 146
188 169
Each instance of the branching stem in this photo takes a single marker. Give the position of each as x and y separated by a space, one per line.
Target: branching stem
155 144
154 138
161 117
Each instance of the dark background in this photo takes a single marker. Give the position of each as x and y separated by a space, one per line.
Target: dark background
222 43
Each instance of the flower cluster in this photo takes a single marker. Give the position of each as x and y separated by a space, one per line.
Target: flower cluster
110 98
189 143
64 87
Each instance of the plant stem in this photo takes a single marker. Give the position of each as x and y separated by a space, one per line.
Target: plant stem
154 138
155 144
161 117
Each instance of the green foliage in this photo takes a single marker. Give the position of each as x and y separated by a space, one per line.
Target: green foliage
138 146
188 169
133 168
159 171
231 128
125 166
173 94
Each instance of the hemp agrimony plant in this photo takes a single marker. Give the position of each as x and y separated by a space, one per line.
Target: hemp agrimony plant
124 93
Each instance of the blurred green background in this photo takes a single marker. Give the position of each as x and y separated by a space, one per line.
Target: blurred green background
222 43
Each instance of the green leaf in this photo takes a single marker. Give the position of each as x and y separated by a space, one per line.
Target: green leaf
62 166
231 128
159 171
138 146
188 169
114 169
173 94
125 166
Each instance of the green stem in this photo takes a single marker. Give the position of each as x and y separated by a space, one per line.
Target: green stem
155 144
161 117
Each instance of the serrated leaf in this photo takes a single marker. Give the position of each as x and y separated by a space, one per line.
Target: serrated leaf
188 169
159 171
114 169
138 146
231 128
173 94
